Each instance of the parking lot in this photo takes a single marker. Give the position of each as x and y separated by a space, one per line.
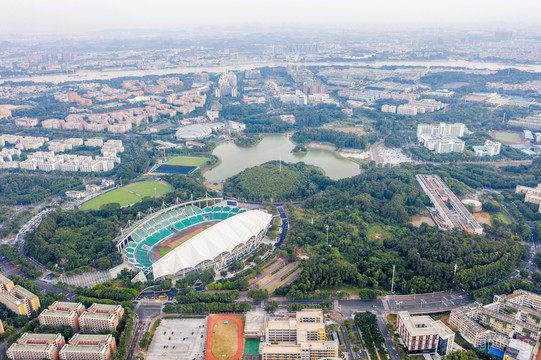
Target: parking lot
182 339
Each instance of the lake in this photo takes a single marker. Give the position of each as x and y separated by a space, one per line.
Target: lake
234 158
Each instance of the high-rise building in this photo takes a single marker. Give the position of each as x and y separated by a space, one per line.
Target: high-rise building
299 336
423 335
227 85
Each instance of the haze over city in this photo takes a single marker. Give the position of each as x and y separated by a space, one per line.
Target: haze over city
71 17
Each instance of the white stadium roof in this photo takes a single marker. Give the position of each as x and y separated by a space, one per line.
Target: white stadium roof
207 245
192 132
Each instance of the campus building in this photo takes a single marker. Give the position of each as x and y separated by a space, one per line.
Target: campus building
89 347
515 316
491 148
101 317
300 336
62 313
533 195
424 335
36 347
16 298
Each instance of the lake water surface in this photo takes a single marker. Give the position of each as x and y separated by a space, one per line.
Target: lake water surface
234 158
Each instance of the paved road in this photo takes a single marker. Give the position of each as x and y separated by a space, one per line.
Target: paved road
388 338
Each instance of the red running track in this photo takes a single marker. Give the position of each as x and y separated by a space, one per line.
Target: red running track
213 319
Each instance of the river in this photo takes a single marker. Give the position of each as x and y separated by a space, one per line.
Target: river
110 74
235 159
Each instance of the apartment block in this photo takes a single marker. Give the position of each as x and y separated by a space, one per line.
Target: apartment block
512 316
388 108
424 335
5 283
17 299
89 347
62 313
36 347
297 336
101 317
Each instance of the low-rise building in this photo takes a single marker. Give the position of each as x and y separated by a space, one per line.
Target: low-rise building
89 347
491 148
36 347
533 195
515 316
424 335
299 336
101 317
62 313
18 299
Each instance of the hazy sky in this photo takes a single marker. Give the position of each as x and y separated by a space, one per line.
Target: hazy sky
76 16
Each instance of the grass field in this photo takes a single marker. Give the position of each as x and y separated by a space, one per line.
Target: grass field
507 136
503 217
166 249
225 339
251 346
129 194
186 161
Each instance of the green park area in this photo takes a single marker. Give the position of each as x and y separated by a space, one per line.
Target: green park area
187 161
129 194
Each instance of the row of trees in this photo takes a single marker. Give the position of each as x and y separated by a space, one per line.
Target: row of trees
202 308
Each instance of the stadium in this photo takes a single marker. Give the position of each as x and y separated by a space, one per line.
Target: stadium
192 236
193 132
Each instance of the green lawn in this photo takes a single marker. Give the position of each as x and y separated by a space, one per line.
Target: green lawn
129 194
503 217
186 161
507 137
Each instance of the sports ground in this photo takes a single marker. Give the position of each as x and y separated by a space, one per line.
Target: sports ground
175 241
129 194
180 165
225 338
508 137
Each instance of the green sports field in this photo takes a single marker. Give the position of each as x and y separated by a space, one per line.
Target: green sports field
186 161
507 136
129 194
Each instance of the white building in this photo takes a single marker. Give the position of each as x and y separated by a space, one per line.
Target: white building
491 148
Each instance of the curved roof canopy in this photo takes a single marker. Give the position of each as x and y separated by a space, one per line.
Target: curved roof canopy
209 244
192 132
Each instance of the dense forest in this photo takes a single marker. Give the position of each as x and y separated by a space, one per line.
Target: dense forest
337 138
269 181
25 189
370 231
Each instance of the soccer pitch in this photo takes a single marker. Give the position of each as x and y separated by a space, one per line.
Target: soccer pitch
507 136
129 194
186 161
